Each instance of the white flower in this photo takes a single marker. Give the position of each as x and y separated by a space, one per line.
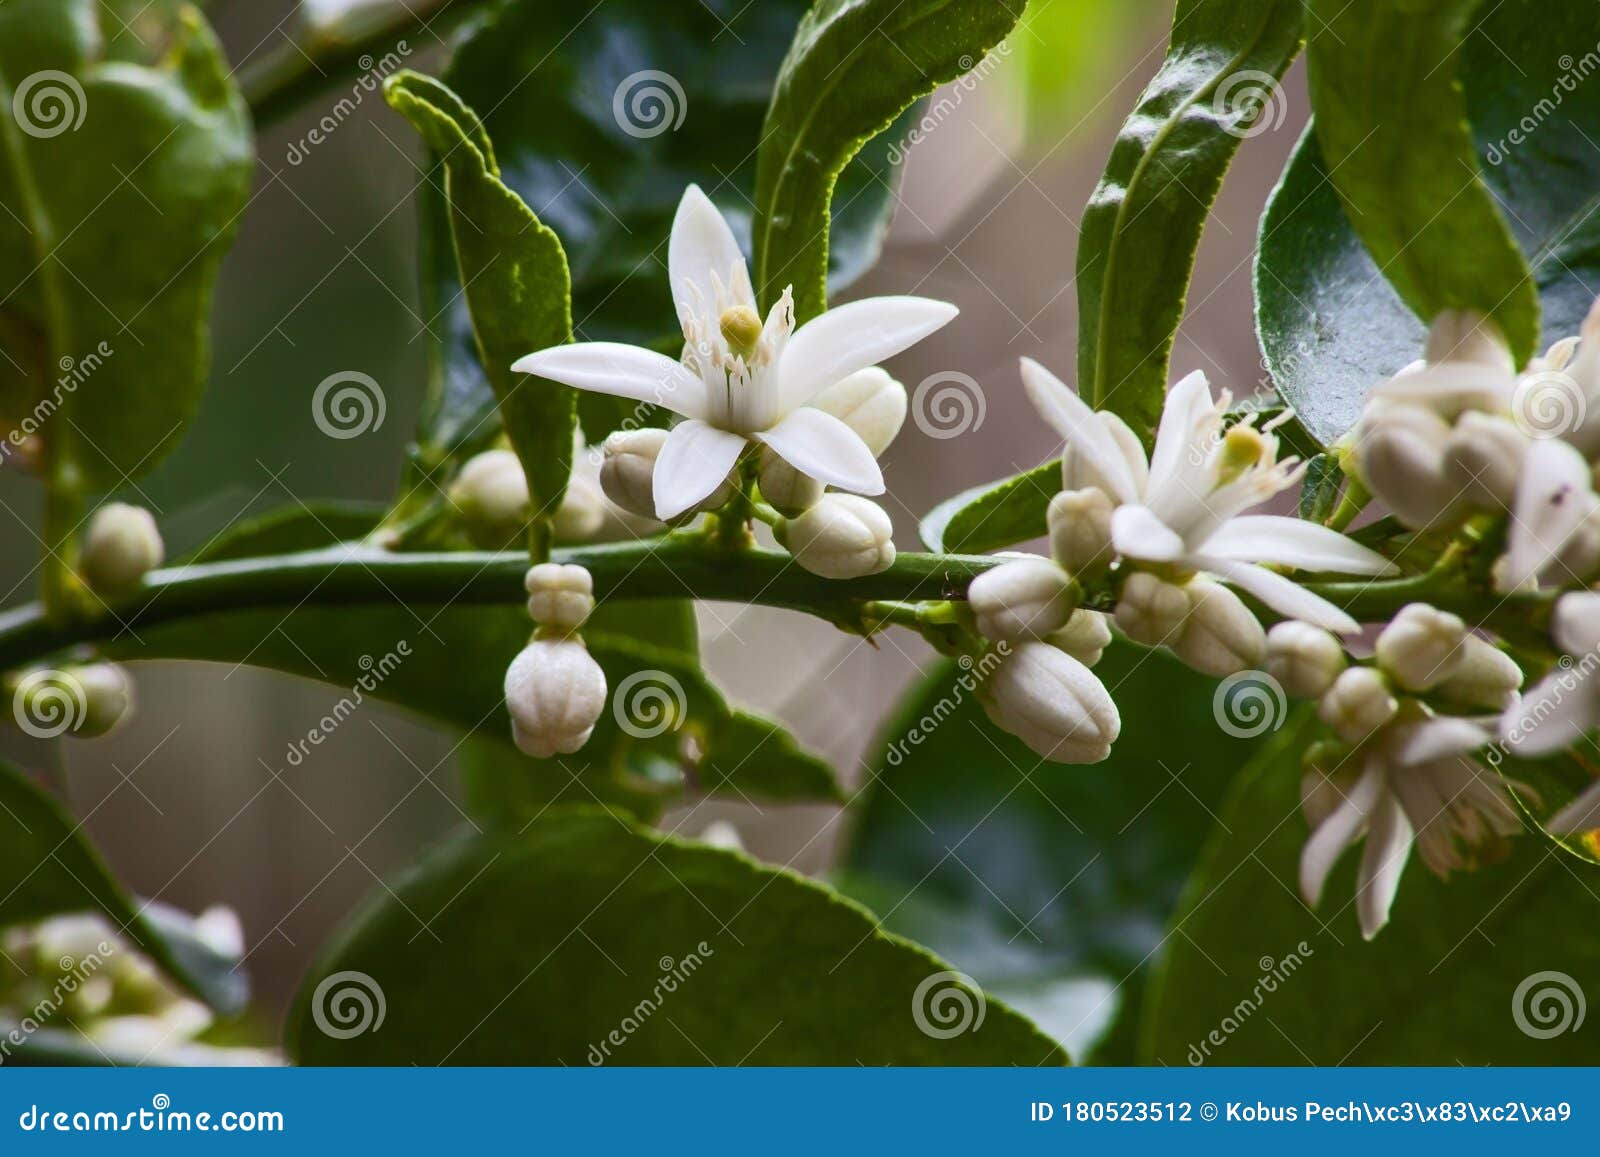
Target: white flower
1466 365
1053 703
1305 660
560 595
555 692
1485 677
1357 704
741 381
843 536
1554 535
1184 508
1412 783
1026 598
120 547
1565 705
1399 450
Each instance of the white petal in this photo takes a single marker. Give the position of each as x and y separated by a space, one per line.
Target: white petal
1554 496
1272 538
623 371
1078 424
702 246
823 447
1336 833
1437 738
1138 533
1187 410
1575 626
1289 599
834 345
1448 386
1551 716
694 461
1581 815
1383 859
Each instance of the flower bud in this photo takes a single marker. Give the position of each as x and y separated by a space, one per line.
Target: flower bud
628 471
870 402
843 536
1358 703
86 701
491 494
1024 599
555 692
1483 459
1486 677
1080 530
1150 610
1400 454
1305 660
1464 335
582 512
120 547
1085 637
1421 647
1575 623
560 596
786 490
1221 636
1579 556
1053 703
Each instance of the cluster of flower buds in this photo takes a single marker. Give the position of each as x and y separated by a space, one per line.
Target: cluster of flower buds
555 691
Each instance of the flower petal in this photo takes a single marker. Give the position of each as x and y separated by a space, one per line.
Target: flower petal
1287 598
835 344
1079 425
1437 738
1554 496
622 371
1581 815
702 247
1272 538
1575 626
694 461
1187 411
1388 847
1553 715
1138 533
1336 833
823 447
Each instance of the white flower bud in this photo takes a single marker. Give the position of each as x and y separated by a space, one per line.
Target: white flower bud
1221 636
1483 459
555 692
1575 624
1487 677
786 490
1085 637
491 494
627 474
1080 530
120 547
107 697
1400 453
1579 556
85 701
1421 647
843 536
1305 660
1053 703
1150 610
1463 335
870 402
582 512
560 596
1358 703
1024 599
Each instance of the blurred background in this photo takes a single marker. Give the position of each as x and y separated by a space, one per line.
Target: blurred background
195 802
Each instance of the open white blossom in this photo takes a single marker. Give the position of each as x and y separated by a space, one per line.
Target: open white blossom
1184 508
1565 705
742 381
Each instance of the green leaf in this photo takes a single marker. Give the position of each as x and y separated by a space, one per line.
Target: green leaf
48 868
854 67
1329 322
1385 83
1280 985
517 288
754 758
587 940
120 187
1319 492
1051 885
994 515
1142 225
303 526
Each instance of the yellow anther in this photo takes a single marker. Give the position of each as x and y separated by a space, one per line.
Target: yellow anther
741 329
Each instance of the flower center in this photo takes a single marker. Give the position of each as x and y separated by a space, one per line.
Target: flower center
741 329
1242 447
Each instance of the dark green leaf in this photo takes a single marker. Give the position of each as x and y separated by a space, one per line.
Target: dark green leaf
303 526
1319 491
854 67
994 515
755 758
120 188
1050 884
683 954
48 868
1141 228
1254 977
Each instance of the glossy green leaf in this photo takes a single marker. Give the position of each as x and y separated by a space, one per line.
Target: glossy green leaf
48 868
995 515
303 526
1254 977
854 67
121 183
1320 489
518 292
1052 885
1329 322
586 940
1140 230
1385 85
754 758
